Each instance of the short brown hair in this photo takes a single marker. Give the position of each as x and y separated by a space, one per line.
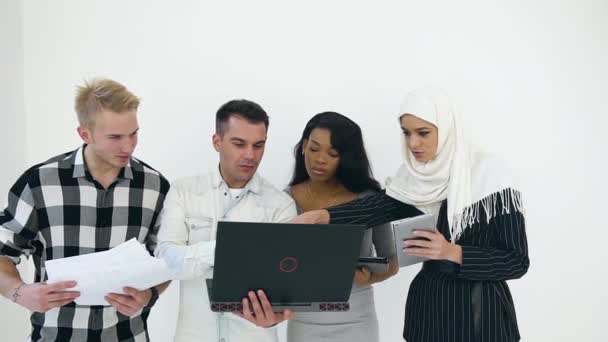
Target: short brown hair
101 93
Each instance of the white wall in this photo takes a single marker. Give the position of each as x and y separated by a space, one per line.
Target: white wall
15 322
529 76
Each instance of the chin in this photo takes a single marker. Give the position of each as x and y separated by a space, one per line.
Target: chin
121 164
247 176
320 179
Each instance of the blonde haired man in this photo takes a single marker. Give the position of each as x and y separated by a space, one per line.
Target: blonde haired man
84 201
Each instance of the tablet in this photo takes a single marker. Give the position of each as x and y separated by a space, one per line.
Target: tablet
404 230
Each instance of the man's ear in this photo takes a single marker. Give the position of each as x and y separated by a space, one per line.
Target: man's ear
217 141
85 134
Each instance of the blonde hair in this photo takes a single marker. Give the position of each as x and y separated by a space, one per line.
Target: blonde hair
98 94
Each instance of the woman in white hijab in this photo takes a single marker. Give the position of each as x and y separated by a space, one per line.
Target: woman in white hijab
461 293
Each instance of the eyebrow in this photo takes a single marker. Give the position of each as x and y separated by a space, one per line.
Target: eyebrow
318 143
235 139
122 135
417 129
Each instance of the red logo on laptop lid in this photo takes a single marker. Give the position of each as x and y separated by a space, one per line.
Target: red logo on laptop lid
288 264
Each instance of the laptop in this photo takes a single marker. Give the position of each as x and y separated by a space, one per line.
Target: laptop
300 267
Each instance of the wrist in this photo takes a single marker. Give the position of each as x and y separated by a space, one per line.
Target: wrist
15 294
153 297
324 217
7 288
455 253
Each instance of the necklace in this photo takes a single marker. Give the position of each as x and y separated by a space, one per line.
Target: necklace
313 197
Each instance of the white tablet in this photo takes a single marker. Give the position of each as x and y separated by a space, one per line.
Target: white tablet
404 230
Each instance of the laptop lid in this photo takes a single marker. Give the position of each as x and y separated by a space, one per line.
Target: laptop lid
292 263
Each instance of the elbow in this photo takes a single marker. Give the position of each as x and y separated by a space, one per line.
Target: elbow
522 268
163 248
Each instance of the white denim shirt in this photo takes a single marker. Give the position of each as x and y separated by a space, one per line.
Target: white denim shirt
187 242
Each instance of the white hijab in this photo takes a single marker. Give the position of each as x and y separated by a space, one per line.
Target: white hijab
462 174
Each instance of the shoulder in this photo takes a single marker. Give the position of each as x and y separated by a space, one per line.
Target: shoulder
288 190
272 195
151 177
491 174
198 184
367 193
38 174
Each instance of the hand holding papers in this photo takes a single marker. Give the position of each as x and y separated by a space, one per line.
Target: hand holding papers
97 274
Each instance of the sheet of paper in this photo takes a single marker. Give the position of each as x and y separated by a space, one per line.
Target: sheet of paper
97 274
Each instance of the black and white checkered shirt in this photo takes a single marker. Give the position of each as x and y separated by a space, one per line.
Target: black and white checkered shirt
55 210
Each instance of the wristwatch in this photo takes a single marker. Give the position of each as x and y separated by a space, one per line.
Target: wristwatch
153 299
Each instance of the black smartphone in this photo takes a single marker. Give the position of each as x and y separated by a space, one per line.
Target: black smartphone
374 264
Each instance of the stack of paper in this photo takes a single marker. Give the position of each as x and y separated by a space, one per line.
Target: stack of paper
97 274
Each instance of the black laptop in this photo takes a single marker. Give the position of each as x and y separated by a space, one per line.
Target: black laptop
300 267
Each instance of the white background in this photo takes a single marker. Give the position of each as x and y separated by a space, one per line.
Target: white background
529 76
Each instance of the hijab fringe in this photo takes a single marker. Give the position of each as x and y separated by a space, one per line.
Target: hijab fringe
509 198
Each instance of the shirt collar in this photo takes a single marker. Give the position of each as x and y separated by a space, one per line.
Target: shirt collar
81 170
254 185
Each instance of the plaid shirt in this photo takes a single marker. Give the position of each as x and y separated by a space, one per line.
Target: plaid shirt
56 210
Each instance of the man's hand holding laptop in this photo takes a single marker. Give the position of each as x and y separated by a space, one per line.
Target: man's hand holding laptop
257 310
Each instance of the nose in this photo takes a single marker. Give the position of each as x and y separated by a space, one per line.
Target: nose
413 142
320 159
249 153
128 145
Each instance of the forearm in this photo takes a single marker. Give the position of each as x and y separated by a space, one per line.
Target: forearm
9 277
371 211
187 261
492 264
507 259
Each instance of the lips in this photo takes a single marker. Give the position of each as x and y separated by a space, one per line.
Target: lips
318 171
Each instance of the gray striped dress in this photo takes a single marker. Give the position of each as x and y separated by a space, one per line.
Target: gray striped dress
360 323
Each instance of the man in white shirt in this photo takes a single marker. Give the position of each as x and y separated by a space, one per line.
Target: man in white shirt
231 192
